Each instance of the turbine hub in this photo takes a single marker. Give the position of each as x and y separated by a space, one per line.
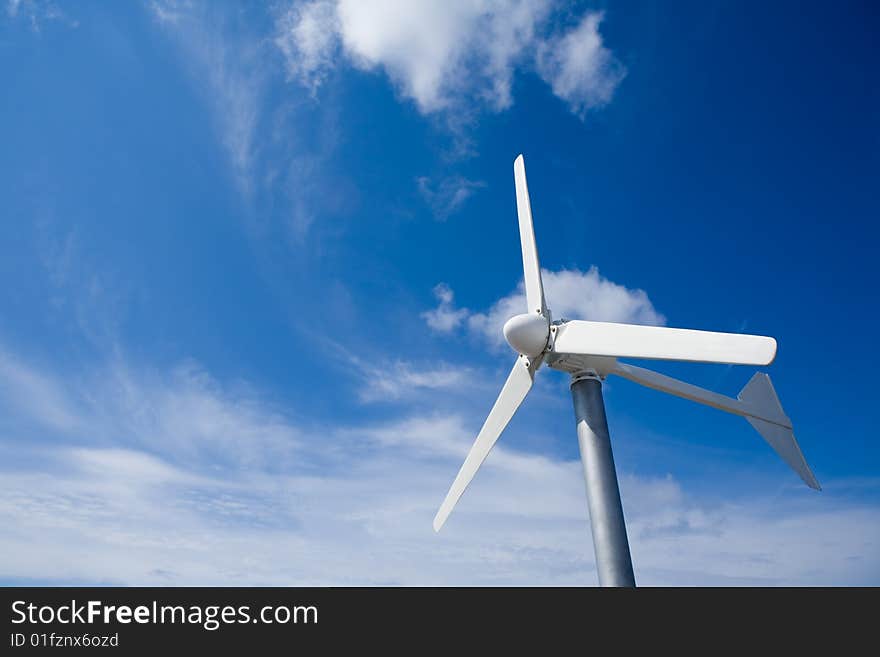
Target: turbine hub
527 334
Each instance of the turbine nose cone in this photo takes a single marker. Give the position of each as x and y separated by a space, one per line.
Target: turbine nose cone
527 334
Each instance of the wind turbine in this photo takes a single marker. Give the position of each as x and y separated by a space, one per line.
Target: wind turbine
588 351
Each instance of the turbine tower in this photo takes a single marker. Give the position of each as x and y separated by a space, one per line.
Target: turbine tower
588 351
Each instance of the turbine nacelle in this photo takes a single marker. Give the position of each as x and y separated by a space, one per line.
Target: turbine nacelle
527 333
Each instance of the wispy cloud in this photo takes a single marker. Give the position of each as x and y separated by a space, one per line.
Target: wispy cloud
446 196
452 55
280 156
183 413
307 39
39 12
25 390
179 479
400 378
228 65
387 379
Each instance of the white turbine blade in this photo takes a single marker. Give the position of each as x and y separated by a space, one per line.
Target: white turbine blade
515 389
531 266
757 402
662 343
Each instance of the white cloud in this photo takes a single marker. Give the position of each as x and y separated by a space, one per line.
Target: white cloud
570 293
422 46
450 54
579 69
127 500
445 318
589 295
307 39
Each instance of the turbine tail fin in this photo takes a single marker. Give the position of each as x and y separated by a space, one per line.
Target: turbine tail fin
760 395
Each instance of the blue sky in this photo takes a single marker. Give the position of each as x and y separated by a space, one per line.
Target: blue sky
256 260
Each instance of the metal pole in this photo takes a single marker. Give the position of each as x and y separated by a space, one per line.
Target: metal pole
613 560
